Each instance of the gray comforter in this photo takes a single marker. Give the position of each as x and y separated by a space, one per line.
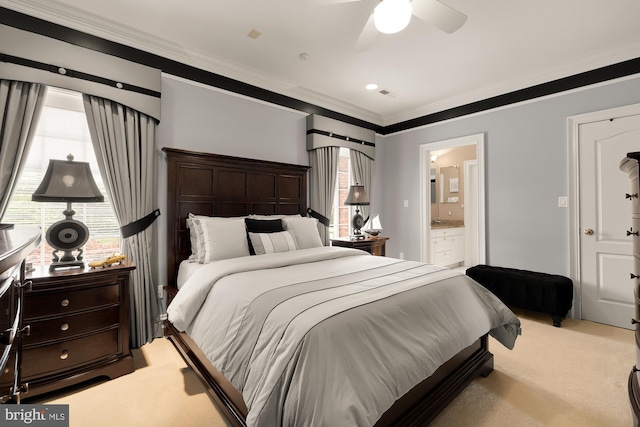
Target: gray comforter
332 336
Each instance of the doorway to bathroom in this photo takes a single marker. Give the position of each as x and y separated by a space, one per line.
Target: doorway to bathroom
452 223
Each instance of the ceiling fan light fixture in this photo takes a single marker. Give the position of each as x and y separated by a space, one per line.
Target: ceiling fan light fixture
392 16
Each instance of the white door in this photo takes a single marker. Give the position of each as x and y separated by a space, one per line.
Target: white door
605 217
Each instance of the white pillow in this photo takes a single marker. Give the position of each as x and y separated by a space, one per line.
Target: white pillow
193 237
268 243
197 236
222 238
305 231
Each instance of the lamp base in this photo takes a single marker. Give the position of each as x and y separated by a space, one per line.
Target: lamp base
68 236
66 264
357 222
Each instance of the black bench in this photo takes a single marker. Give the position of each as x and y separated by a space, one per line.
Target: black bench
547 293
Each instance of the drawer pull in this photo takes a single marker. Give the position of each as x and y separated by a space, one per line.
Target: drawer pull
64 327
27 286
633 276
64 354
631 196
65 302
26 330
631 232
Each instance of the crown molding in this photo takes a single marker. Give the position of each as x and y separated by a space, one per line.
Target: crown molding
568 69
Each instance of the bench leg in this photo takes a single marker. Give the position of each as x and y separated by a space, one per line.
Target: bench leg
557 320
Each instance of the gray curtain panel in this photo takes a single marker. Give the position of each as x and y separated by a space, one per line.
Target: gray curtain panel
324 172
124 142
20 107
361 174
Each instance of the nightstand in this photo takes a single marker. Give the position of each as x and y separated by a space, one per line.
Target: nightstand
79 321
373 245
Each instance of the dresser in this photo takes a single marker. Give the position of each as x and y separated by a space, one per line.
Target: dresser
630 166
373 245
79 321
16 243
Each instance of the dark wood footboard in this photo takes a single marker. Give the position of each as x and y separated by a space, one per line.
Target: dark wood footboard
424 402
417 408
229 400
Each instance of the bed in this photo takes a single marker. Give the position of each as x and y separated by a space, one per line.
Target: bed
272 350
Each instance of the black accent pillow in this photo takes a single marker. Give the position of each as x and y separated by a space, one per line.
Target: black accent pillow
261 226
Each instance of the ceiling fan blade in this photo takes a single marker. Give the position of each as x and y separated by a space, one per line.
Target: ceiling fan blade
438 14
367 36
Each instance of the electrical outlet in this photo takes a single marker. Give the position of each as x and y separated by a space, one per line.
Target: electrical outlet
401 255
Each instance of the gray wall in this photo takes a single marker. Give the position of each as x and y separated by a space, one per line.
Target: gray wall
198 118
526 170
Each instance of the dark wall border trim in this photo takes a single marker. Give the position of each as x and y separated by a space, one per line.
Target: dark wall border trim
39 26
599 75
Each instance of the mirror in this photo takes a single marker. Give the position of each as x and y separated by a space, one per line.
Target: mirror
449 184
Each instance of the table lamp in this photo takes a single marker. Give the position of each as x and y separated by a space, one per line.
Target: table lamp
67 181
357 197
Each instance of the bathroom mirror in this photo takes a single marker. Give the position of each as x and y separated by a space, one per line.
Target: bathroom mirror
449 184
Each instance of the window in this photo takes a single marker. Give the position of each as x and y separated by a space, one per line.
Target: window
63 130
341 214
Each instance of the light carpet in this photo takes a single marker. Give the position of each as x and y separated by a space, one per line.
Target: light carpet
575 375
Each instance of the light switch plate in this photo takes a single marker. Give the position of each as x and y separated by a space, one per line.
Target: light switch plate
562 201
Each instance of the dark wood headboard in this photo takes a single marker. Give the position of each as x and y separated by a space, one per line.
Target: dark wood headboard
216 185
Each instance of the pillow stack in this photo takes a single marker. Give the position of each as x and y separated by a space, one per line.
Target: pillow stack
217 238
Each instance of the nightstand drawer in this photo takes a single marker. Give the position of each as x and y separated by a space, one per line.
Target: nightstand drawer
64 355
373 245
65 327
56 303
8 373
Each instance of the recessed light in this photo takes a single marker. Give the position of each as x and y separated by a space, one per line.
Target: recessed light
371 86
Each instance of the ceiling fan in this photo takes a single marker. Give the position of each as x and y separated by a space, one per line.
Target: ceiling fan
392 16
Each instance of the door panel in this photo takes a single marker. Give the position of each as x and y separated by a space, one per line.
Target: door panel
606 254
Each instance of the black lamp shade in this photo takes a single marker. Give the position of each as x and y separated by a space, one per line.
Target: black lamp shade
68 181
357 196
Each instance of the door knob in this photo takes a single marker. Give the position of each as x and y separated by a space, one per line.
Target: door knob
588 232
